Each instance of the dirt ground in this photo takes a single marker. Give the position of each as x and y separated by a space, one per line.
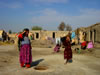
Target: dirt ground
83 64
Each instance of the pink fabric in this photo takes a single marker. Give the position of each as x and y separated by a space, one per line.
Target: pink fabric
90 45
25 54
56 49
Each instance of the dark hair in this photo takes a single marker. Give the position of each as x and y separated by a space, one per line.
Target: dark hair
26 29
63 39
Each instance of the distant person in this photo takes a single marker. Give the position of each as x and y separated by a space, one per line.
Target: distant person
57 47
83 45
68 50
4 36
90 45
25 49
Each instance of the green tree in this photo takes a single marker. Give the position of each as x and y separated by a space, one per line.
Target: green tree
68 27
62 26
36 28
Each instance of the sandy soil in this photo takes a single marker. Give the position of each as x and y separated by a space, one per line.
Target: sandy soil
83 64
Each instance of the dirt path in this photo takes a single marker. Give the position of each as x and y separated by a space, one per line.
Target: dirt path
82 64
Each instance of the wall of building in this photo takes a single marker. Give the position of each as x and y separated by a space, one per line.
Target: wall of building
1 31
44 34
93 33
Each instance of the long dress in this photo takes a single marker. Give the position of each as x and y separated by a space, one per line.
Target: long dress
25 50
68 50
25 54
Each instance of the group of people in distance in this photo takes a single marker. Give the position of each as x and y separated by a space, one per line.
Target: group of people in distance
25 49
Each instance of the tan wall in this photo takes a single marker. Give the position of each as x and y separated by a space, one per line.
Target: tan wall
1 31
12 35
98 34
45 34
95 29
87 36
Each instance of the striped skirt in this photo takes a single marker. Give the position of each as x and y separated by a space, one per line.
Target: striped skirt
25 54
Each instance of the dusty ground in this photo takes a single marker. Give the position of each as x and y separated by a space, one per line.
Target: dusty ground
83 64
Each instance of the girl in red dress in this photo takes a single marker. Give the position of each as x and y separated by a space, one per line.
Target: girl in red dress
68 50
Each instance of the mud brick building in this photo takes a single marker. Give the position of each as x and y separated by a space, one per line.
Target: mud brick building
42 35
92 33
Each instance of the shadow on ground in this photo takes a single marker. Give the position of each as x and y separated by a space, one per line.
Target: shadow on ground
35 63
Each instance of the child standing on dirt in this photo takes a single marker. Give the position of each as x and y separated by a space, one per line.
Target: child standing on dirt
68 50
24 44
57 47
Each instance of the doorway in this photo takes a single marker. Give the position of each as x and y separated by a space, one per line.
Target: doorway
94 35
37 35
53 35
90 35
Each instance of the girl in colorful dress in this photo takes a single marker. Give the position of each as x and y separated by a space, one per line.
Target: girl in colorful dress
24 44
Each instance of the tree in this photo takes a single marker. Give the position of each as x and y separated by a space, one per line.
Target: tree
61 26
10 32
68 27
36 28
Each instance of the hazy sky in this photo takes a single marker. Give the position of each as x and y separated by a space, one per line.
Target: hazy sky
19 14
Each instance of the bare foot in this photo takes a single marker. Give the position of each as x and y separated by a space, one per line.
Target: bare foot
65 62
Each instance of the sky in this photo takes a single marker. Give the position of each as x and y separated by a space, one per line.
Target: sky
16 15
